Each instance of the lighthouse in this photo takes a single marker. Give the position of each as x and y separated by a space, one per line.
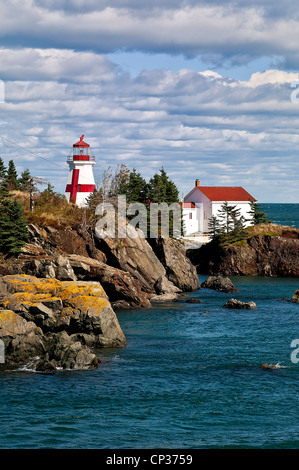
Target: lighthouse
80 181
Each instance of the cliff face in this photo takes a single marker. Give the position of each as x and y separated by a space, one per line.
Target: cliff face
132 271
57 299
261 255
57 321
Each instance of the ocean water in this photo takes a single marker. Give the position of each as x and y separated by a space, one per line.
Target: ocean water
282 214
189 378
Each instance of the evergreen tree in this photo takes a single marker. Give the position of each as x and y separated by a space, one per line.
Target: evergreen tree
227 214
12 176
230 227
162 189
3 169
214 228
13 229
25 181
257 216
135 188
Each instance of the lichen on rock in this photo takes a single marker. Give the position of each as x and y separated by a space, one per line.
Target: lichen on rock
49 307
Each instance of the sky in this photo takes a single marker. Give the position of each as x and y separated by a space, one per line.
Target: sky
207 90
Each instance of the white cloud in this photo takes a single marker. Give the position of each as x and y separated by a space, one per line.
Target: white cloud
219 31
271 77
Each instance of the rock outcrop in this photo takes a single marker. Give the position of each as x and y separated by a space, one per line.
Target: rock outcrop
260 255
37 312
119 285
128 268
219 283
179 269
135 255
238 304
295 297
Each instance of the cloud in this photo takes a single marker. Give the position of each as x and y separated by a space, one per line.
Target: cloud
54 64
271 77
219 32
199 124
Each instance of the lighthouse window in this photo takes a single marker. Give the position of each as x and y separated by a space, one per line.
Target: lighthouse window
80 151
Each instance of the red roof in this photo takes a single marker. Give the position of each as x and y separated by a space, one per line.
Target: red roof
189 205
81 143
225 193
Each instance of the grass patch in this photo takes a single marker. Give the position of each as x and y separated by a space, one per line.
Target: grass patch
52 209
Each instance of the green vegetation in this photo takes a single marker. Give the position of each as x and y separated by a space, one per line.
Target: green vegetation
159 189
229 227
257 216
12 176
13 229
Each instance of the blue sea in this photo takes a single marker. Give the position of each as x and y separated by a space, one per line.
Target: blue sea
282 214
189 378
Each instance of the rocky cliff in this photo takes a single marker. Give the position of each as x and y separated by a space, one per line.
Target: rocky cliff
56 322
260 255
57 299
132 272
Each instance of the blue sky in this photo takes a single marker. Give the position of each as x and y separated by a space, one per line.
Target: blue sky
202 88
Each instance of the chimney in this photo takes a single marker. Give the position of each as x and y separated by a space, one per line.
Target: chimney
197 183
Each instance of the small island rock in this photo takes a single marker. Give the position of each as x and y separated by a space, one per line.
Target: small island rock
219 283
238 304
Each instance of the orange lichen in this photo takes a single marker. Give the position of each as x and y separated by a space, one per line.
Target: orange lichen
85 302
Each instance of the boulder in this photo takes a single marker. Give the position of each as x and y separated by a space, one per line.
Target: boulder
238 304
69 353
193 301
22 339
219 283
295 297
179 269
57 267
35 309
53 241
133 254
119 285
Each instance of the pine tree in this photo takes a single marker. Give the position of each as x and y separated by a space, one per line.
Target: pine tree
3 169
25 181
13 229
214 228
12 176
135 188
257 216
162 189
226 214
232 225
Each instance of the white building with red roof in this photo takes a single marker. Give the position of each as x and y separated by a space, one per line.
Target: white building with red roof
204 202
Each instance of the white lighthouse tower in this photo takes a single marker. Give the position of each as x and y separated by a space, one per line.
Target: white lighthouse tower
80 181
